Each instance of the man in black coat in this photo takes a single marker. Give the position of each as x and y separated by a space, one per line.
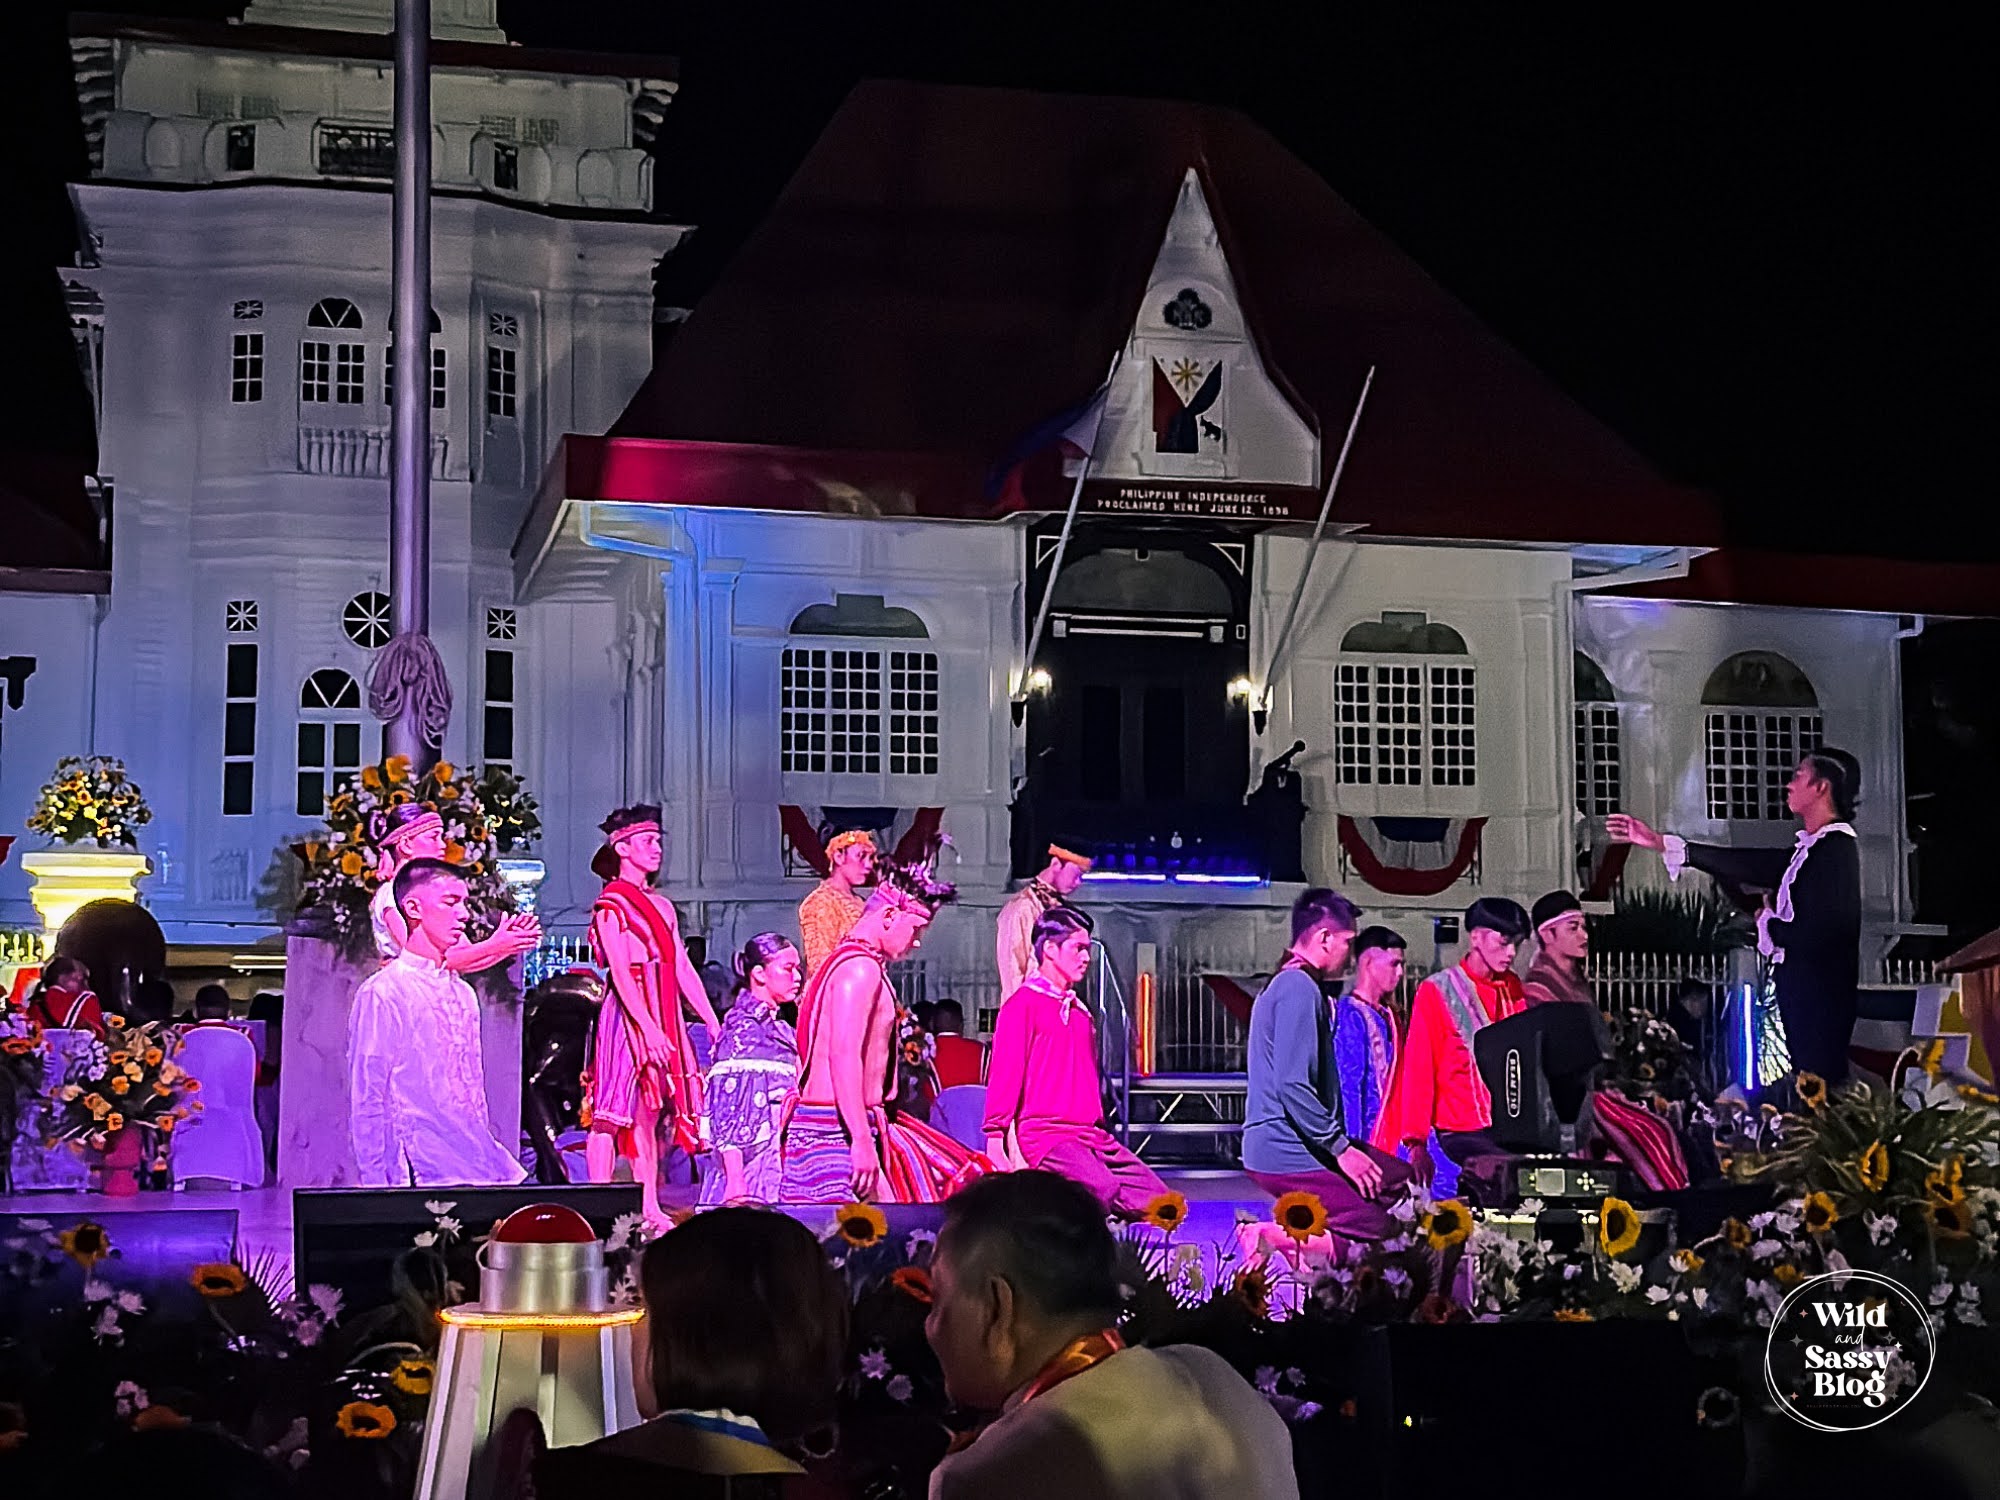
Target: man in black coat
1808 902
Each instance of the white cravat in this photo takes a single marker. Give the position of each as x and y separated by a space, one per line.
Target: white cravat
1674 853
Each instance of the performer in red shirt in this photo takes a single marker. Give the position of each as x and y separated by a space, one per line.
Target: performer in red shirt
958 1058
1437 1085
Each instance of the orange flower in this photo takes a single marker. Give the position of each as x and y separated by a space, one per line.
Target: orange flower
114 1121
454 854
371 778
397 768
1574 1315
365 1419
218 1279
121 1084
1167 1211
154 1418
1448 1223
154 1056
17 1046
351 864
1252 1288
443 771
86 1244
912 1281
861 1224
1300 1215
1786 1274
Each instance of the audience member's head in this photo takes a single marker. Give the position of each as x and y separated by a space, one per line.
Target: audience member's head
697 947
924 1012
67 974
1024 1264
1323 923
745 1314
211 1003
948 1019
153 1000
1495 928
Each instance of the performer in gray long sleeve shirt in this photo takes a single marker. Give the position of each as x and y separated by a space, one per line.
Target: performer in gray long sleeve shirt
1294 1139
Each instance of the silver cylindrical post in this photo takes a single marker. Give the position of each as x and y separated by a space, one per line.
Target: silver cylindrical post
410 351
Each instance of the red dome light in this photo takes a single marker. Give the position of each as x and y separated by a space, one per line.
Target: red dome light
545 1224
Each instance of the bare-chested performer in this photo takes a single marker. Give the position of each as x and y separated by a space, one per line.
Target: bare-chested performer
645 1064
840 1142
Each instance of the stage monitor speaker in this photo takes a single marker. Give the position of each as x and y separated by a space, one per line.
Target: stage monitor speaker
1539 1066
350 1237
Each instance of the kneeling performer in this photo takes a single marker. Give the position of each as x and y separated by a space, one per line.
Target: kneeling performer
1044 1096
839 1139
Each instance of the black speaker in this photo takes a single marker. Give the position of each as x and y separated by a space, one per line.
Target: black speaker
350 1237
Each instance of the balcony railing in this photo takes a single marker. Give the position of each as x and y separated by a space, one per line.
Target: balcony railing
358 452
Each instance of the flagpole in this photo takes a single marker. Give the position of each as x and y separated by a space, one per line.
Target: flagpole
1018 700
1261 715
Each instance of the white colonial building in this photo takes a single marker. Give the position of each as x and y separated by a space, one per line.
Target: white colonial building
234 314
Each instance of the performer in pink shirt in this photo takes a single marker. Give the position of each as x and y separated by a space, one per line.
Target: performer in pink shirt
1044 1097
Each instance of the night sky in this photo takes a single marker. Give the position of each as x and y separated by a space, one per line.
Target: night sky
1758 255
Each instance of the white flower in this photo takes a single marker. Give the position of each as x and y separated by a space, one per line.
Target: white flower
1766 1250
1657 1294
106 1328
95 1291
1673 1315
449 1226
1763 1220
1881 1227
1700 1295
1967 1292
425 1239
1295 1377
1835 1261
624 1231
325 1300
34 1226
1394 1246
1940 1293
129 1398
1626 1277
131 1302
1396 1277
1571 1271
1786 1222
1266 1379
875 1365
920 1239
1404 1209
1532 1207
307 1332
899 1388
1972 1317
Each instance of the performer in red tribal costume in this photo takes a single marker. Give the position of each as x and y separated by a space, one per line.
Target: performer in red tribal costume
1437 1085
645 1063
840 1139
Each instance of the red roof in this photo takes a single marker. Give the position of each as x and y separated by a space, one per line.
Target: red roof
950 266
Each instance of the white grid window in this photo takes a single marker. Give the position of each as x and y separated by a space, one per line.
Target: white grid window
501 381
831 711
1751 754
239 710
437 378
329 737
1600 782
913 713
246 367
350 374
1405 723
1453 693
315 371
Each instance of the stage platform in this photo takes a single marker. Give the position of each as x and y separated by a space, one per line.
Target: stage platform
263 1216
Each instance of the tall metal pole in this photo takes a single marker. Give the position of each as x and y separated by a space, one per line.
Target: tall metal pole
410 356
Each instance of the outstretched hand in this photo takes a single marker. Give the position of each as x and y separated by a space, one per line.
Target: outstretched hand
1361 1169
1623 828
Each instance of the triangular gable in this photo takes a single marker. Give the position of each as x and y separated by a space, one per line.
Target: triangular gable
1192 398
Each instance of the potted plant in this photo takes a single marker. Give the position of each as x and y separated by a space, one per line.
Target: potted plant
124 1098
91 812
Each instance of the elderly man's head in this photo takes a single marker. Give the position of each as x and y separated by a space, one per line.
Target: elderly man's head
1024 1264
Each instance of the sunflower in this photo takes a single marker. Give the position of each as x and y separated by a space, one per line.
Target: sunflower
1687 1262
1574 1315
1736 1234
1812 1089
1448 1223
1252 1288
351 864
397 768
1786 1274
454 854
1950 1221
1943 1185
861 1224
1167 1212
121 1085
371 778
1874 1167
218 1279
912 1281
1617 1227
86 1244
364 1419
18 1046
1300 1215
443 771
413 1377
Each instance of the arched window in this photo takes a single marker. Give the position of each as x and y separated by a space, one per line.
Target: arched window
839 704
1405 704
437 365
1599 759
329 736
1761 715
332 370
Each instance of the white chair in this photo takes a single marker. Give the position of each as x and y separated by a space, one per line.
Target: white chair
222 1141
960 1112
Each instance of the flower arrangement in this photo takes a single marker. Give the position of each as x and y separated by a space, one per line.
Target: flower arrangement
90 801
23 1058
342 864
125 1081
513 816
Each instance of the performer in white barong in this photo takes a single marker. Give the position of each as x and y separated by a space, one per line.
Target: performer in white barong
416 1079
